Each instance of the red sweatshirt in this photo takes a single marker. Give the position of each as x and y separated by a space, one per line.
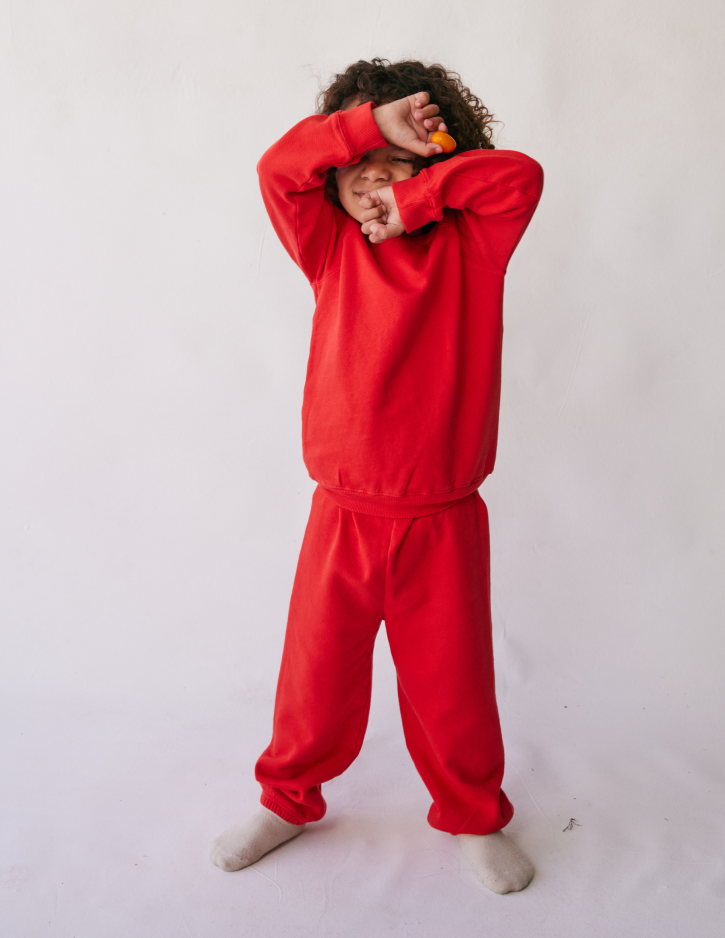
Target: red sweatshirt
400 412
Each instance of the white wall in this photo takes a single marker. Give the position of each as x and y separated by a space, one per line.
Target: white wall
153 497
154 337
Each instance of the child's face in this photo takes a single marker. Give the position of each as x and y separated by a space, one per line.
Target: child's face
377 168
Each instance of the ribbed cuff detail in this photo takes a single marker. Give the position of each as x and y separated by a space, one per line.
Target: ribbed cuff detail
416 203
272 806
360 130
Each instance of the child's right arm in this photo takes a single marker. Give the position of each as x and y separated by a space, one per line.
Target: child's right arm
292 176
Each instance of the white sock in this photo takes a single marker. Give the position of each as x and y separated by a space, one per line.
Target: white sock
246 843
497 862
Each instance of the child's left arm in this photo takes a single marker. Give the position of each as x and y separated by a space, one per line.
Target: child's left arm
496 191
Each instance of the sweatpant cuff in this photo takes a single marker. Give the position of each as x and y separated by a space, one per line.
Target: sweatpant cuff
277 809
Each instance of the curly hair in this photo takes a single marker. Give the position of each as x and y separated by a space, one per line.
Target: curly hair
381 81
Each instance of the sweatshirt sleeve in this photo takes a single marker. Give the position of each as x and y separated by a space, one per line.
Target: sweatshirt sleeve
496 191
292 176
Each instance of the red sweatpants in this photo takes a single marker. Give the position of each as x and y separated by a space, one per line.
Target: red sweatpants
428 578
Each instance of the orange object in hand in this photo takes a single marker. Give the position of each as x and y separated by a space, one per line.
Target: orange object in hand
444 141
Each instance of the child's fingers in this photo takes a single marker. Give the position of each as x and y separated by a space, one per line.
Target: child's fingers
430 111
435 123
423 149
371 197
385 232
368 205
430 149
373 213
369 222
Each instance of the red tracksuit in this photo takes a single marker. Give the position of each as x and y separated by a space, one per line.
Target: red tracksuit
400 419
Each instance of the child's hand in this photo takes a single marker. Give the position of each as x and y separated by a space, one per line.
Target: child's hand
408 123
380 217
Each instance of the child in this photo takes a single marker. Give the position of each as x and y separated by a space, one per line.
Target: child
406 250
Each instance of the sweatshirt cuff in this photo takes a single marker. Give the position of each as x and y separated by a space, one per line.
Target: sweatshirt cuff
416 202
360 130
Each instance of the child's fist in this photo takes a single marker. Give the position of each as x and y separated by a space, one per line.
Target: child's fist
409 122
380 216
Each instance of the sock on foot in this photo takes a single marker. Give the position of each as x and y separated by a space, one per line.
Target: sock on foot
246 843
497 862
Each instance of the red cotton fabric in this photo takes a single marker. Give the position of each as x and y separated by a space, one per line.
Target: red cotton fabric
428 578
401 400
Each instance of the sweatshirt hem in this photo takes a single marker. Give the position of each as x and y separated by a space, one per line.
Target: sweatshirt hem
399 506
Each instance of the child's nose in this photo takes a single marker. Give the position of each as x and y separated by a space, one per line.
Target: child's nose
375 169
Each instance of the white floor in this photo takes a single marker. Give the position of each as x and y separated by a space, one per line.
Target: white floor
111 806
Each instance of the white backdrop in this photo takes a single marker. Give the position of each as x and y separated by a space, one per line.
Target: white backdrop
154 343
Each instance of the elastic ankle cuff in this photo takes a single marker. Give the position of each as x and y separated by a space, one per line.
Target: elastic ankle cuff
277 809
